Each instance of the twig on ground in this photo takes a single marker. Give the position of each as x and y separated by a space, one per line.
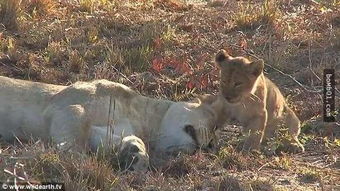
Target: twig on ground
124 76
310 68
11 66
22 158
310 63
285 74
304 87
266 164
13 174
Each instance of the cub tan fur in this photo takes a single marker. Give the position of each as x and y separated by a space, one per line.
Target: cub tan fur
255 101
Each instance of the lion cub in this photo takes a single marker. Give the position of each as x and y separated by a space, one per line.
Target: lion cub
256 102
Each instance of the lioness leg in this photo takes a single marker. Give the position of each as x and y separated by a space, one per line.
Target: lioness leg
293 124
132 153
68 127
99 139
255 130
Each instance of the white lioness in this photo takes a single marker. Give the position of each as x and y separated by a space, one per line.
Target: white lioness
255 101
80 113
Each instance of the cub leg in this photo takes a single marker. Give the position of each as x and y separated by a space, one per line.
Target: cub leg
293 124
68 127
255 127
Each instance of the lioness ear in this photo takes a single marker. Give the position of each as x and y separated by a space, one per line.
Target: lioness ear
217 104
256 67
219 107
221 56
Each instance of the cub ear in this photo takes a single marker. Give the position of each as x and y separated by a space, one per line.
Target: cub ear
205 99
221 56
256 67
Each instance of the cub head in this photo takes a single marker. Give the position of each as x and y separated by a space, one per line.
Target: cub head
133 155
238 76
188 126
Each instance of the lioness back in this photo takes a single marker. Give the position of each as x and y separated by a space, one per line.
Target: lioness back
255 101
21 105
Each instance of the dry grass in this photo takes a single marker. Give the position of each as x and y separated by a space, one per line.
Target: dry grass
230 184
252 16
8 14
232 159
309 176
165 49
39 7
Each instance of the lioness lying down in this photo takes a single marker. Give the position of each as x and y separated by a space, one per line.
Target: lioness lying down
78 116
255 101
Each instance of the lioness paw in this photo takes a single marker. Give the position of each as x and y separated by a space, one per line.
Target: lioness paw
133 155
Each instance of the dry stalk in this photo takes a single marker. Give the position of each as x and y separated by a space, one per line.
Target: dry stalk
110 122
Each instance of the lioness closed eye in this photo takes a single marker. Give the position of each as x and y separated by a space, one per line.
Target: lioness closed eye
77 116
255 101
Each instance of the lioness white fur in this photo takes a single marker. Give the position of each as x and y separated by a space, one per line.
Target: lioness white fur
132 151
79 114
255 101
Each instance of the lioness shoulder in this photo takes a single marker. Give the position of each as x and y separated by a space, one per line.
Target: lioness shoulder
255 101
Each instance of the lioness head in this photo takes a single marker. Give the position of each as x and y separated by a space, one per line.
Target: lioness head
238 76
187 127
133 155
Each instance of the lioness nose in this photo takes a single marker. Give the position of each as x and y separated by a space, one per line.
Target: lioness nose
228 97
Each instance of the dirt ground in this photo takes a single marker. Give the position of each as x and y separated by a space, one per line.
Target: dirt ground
165 49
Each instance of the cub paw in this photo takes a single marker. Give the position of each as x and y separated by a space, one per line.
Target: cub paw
133 155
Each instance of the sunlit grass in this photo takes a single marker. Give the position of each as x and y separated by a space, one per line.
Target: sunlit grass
250 16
